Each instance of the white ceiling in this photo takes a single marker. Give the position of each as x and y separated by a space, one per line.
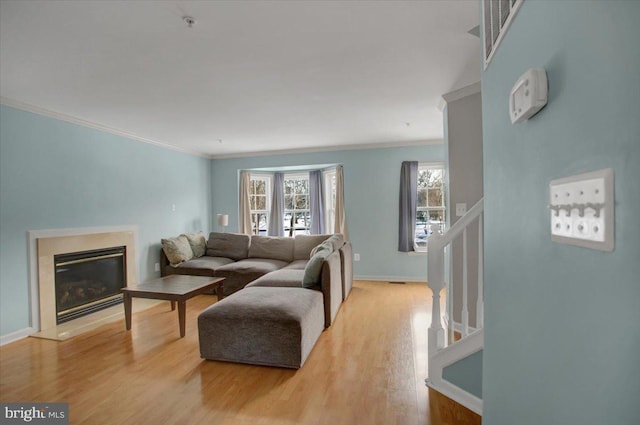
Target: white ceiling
260 76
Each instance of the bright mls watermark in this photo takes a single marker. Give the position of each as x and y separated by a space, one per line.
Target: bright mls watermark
35 413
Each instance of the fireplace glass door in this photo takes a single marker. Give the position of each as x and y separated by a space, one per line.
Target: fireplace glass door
88 281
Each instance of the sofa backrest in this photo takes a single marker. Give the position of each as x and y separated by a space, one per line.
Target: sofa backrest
303 244
229 245
272 247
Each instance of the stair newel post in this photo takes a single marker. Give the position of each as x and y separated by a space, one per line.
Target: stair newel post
435 278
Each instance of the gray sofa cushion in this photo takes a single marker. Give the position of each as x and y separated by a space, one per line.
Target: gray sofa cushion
205 263
305 243
297 264
264 326
238 274
229 245
277 248
282 278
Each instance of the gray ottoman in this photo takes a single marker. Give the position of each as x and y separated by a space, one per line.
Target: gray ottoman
263 325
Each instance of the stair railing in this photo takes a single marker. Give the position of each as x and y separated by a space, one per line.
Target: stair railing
436 245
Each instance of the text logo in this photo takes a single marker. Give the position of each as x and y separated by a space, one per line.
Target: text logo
35 413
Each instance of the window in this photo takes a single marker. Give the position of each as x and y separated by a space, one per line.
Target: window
330 199
297 217
430 203
297 209
259 201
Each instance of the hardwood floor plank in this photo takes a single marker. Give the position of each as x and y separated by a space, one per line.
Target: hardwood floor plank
368 368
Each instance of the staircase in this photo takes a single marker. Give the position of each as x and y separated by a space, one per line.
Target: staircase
456 345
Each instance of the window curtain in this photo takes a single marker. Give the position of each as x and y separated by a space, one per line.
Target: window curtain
244 212
408 193
341 217
276 214
316 202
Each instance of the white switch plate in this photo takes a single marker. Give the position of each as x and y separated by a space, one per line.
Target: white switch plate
356 257
461 209
581 210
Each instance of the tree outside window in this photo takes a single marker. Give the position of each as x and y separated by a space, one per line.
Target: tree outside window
430 201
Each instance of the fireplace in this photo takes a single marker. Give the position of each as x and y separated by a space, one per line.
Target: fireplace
44 246
88 281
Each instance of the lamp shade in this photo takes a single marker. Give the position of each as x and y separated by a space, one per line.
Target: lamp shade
223 220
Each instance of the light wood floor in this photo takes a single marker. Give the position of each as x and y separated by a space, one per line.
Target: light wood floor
368 368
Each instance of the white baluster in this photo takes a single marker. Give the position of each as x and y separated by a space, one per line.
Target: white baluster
435 278
451 328
465 286
480 300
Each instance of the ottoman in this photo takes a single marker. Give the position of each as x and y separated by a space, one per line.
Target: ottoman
268 326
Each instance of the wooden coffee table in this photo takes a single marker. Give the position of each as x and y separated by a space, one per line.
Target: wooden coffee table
174 288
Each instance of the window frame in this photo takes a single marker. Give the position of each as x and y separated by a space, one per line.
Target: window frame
307 229
422 166
268 179
329 186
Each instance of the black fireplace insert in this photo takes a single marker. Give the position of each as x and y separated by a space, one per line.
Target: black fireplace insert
89 281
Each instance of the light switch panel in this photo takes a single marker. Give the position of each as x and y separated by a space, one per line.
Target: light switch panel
581 209
461 209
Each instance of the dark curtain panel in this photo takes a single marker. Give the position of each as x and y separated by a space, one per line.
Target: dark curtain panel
408 193
276 214
316 202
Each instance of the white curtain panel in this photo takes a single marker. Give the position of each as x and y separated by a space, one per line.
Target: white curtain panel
244 212
276 224
341 216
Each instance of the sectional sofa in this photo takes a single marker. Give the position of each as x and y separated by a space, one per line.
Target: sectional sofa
282 292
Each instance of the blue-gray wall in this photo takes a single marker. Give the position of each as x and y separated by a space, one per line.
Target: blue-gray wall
562 337
54 174
372 181
466 373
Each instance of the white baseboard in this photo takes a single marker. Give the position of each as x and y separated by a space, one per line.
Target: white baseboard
449 355
458 395
391 278
15 336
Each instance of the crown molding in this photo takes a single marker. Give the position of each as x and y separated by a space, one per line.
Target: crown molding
84 123
89 124
459 94
332 149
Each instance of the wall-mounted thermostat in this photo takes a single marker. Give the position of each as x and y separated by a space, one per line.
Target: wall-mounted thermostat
528 95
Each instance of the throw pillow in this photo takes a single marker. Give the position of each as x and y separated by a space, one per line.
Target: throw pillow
177 249
314 267
324 245
197 242
336 240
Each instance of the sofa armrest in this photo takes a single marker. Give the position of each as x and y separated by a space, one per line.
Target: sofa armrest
164 264
346 260
331 284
